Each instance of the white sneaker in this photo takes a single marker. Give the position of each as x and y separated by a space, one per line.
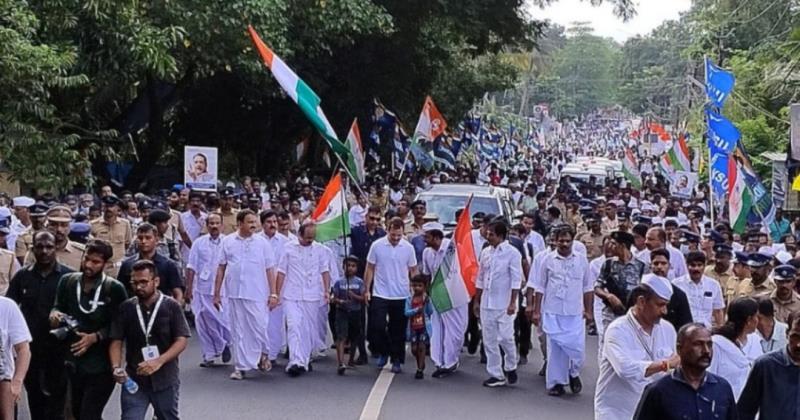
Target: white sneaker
237 375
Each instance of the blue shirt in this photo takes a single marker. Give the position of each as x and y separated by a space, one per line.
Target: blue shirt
772 389
672 398
779 228
340 289
361 241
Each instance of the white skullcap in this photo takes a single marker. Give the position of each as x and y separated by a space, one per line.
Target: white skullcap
427 227
23 201
660 285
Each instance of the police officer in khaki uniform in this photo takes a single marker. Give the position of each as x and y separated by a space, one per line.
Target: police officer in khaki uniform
226 210
68 253
9 265
759 284
784 298
25 240
593 238
115 230
722 268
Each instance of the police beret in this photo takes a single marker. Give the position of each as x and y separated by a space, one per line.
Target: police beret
741 257
723 249
111 200
758 259
624 238
784 272
39 210
158 216
690 236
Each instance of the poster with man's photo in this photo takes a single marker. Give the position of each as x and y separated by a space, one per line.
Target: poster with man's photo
683 184
200 168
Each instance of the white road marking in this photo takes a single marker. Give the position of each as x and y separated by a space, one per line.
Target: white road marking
372 407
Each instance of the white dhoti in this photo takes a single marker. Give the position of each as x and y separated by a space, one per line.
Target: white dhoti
498 331
321 338
447 336
211 324
276 331
302 322
249 320
566 347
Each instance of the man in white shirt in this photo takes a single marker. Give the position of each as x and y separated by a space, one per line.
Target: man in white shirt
704 293
212 324
15 355
194 221
358 213
303 282
391 262
447 329
656 238
496 300
247 270
563 299
637 349
276 330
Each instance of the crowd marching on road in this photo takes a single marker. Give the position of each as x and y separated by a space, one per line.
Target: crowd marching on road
694 319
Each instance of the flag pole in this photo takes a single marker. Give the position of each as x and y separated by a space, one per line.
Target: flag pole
345 219
347 171
405 162
710 164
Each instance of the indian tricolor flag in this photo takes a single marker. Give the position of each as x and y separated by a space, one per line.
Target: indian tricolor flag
454 282
679 155
356 162
301 94
740 199
330 216
630 167
431 124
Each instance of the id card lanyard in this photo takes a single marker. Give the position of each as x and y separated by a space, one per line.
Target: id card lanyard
149 327
95 299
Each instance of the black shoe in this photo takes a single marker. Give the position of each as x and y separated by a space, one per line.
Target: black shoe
341 370
591 329
472 345
494 382
523 360
483 359
543 370
575 385
511 375
294 371
557 391
226 354
438 373
310 367
452 369
361 360
419 374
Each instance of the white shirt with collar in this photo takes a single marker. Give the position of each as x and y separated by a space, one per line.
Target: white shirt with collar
500 272
477 243
303 267
357 215
704 297
204 260
563 281
677 262
392 263
627 352
277 242
777 341
247 261
537 242
432 258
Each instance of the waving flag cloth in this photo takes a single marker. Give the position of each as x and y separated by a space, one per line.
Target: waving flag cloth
431 124
630 167
719 84
679 155
356 161
301 94
454 282
719 174
722 132
331 215
739 198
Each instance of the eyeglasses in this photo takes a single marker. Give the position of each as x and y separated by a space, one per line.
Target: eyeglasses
375 219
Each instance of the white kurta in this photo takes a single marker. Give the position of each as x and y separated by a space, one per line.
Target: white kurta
625 359
276 330
212 324
447 329
730 362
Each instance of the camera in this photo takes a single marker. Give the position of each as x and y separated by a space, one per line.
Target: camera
67 325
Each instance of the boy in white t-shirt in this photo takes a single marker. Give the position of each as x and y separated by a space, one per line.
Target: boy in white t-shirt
15 355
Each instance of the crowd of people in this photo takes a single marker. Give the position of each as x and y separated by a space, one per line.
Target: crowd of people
693 319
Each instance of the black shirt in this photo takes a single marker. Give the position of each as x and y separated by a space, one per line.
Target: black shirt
35 296
678 311
170 324
168 274
672 398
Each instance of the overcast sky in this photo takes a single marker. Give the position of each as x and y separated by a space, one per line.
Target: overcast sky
651 13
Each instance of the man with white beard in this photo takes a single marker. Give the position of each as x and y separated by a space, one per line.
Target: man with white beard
212 324
303 281
246 268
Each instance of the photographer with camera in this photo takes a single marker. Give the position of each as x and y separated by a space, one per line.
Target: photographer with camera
84 306
34 289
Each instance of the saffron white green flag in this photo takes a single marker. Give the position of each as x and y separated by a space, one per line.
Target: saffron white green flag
679 155
630 167
454 283
301 94
356 162
331 215
740 199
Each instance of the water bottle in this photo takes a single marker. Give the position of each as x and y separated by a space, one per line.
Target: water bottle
131 386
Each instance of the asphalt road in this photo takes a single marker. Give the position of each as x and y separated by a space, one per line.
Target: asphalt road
207 393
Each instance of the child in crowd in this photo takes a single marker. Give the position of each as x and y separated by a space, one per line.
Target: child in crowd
418 309
348 296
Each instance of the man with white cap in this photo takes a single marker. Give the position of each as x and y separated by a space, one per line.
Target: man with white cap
21 220
638 349
447 329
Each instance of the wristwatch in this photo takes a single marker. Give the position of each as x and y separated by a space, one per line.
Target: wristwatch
119 371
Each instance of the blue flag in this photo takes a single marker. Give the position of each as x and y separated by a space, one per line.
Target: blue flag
421 156
721 132
719 174
719 83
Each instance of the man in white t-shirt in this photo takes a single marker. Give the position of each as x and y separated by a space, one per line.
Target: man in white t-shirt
391 261
15 339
